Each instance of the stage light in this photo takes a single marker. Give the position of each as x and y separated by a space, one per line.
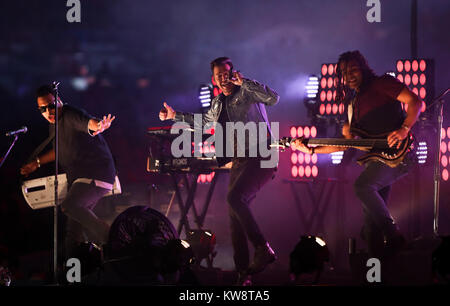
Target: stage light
306 132
399 66
335 109
423 65
294 158
312 87
445 175
322 109
443 147
415 65
423 79
308 256
330 82
143 247
415 79
391 73
308 171
407 79
323 95
418 74
301 158
299 131
423 92
424 107
329 95
324 69
314 171
215 89
202 243
301 171
205 95
330 69
336 157
444 161
313 131
178 255
422 152
300 162
293 132
307 158
407 66
294 171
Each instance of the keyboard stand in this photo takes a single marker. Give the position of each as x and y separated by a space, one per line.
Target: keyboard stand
190 183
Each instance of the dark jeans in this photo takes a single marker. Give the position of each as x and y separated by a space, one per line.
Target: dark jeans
82 223
372 187
246 178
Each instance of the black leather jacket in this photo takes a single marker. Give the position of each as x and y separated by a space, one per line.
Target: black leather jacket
246 105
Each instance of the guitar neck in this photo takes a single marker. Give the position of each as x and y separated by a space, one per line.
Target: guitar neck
351 143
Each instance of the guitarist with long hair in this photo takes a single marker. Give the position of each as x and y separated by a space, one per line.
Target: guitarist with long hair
374 106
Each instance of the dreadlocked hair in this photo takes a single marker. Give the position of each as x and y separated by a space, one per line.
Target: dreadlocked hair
344 93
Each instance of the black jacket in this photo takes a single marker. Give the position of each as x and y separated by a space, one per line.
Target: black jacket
247 105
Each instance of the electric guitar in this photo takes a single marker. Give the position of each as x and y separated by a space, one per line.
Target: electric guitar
376 145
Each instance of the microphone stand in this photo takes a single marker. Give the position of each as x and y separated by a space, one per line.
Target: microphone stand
437 171
9 150
55 209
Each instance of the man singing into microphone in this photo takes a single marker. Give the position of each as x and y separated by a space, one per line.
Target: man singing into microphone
87 161
241 100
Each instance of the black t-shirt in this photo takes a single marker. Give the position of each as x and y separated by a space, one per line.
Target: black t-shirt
80 154
223 119
376 108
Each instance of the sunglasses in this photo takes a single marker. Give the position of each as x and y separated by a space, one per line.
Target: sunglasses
43 109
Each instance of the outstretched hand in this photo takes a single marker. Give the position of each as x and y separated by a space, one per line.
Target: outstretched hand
104 124
166 112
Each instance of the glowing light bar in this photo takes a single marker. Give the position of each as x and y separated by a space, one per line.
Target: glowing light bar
422 152
312 87
185 244
205 95
320 241
336 157
391 73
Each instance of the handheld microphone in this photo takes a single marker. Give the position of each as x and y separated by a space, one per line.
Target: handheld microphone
24 129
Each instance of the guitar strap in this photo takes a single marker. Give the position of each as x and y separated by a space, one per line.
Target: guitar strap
42 146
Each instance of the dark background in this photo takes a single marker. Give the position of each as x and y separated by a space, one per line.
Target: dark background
133 55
